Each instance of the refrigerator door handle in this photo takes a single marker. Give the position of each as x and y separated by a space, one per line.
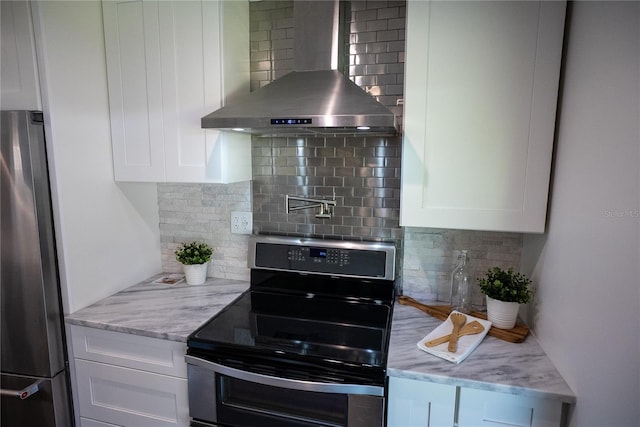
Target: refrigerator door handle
24 393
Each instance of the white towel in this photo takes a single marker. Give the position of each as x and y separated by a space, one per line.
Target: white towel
466 343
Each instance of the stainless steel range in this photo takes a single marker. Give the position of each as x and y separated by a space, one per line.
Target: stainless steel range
306 345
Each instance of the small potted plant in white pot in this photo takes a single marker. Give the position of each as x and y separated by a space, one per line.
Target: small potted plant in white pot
505 291
195 257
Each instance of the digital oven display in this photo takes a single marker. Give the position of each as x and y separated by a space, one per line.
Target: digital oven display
317 253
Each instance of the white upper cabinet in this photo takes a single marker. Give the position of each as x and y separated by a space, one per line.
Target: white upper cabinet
19 69
169 63
481 89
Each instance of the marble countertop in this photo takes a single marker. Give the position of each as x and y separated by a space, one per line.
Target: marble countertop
169 312
495 365
172 312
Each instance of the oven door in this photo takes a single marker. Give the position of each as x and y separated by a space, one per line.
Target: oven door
224 396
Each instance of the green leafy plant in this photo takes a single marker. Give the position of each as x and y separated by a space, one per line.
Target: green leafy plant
508 285
193 253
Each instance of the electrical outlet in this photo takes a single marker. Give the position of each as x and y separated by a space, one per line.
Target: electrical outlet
241 222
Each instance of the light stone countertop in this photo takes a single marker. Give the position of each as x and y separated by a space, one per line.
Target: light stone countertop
169 312
495 365
172 312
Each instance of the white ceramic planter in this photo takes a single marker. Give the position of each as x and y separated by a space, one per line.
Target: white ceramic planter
502 314
196 274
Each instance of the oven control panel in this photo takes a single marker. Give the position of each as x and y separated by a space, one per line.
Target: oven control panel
340 258
317 255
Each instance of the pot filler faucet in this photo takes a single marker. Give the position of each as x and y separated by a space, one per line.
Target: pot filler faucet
324 207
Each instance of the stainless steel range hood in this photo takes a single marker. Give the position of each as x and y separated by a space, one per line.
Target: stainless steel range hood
315 99
306 103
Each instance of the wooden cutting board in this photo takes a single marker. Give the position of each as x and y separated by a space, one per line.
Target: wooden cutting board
515 335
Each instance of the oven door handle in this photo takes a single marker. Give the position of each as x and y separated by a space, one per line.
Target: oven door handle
268 380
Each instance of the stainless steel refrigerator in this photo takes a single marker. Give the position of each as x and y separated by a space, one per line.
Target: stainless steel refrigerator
35 375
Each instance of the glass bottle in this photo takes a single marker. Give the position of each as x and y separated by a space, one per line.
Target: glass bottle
460 285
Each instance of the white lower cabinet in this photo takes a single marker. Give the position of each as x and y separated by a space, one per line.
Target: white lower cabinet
414 403
480 408
128 380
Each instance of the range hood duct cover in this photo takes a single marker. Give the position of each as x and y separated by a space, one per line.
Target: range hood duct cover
308 101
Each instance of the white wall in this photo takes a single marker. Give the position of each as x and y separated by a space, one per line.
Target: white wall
107 233
587 265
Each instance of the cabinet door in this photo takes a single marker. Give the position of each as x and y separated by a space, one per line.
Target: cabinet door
169 63
20 86
132 43
184 41
129 397
479 408
198 39
480 101
415 403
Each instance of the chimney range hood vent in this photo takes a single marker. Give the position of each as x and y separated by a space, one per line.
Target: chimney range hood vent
306 103
315 99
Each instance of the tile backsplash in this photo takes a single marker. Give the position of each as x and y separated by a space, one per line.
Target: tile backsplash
363 172
376 50
430 255
203 212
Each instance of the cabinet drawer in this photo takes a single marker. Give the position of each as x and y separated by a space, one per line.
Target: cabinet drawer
486 408
131 351
128 397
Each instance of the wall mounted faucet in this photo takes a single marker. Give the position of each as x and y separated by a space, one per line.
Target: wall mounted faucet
325 207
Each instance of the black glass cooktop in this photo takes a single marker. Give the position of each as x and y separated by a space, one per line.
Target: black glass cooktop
311 325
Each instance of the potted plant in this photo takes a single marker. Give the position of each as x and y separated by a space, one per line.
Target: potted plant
195 257
505 291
